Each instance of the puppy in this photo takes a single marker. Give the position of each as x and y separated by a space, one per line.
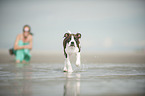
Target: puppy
71 44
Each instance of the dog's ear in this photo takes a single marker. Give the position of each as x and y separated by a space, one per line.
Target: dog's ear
78 35
66 34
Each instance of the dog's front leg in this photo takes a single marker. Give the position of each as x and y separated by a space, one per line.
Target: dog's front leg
69 64
65 66
78 61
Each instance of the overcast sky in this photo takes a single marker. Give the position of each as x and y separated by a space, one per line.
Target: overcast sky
105 25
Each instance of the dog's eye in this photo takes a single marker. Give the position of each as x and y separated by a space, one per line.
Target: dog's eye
69 39
75 38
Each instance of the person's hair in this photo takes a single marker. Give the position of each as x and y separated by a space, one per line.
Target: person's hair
29 29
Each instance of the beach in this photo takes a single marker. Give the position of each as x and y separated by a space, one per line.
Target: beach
109 33
100 74
97 57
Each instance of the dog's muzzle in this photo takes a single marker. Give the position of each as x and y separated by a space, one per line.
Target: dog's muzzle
72 44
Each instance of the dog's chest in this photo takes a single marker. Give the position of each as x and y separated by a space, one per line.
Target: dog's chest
71 50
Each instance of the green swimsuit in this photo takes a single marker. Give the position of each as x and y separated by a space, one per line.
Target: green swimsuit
23 54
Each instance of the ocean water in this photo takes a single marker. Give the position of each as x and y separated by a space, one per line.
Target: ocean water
107 79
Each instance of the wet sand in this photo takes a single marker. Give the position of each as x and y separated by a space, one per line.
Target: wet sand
50 57
116 74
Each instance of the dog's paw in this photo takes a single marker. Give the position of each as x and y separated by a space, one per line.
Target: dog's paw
78 64
64 70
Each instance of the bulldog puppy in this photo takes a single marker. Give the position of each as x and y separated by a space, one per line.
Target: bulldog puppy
71 44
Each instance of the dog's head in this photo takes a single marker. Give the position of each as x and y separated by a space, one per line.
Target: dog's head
72 39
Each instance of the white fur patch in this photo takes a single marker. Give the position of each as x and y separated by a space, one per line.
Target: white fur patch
71 50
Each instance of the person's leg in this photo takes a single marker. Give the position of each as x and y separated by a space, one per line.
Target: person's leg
17 61
19 56
27 55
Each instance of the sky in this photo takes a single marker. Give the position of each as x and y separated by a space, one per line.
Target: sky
105 25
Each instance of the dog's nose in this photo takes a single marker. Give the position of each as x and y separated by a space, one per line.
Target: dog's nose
72 43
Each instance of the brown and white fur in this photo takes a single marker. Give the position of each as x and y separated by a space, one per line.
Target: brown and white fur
71 44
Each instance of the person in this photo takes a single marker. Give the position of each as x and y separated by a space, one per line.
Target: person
23 45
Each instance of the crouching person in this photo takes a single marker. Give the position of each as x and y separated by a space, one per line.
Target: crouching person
23 45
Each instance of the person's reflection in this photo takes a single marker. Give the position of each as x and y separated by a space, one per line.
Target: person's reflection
72 85
22 83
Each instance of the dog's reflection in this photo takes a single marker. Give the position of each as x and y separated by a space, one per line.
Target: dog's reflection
72 84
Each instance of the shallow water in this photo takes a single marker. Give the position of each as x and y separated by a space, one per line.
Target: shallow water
88 80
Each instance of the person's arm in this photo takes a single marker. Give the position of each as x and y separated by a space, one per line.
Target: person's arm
16 47
30 44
